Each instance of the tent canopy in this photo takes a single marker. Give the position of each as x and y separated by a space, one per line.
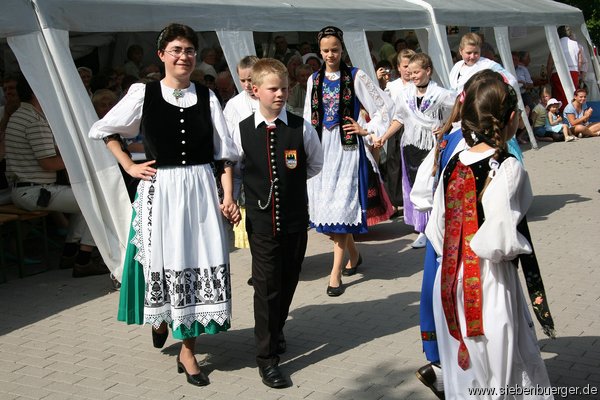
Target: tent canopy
273 16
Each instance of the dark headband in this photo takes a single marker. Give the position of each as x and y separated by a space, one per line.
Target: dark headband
160 38
330 31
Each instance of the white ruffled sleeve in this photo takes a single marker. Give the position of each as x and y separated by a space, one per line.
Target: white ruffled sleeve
124 118
225 149
505 202
373 99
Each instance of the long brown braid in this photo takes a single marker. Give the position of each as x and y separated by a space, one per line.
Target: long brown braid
456 111
486 110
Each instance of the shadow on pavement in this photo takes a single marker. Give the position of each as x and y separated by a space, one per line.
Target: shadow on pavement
574 362
545 205
316 333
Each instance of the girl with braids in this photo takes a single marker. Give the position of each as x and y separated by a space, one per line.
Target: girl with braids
484 330
339 196
176 270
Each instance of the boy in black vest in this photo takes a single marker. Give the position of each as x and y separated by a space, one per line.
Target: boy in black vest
279 152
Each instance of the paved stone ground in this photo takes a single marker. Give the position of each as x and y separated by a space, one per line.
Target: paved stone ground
59 338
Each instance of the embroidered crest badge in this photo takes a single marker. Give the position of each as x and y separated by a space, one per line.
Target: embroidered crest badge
291 159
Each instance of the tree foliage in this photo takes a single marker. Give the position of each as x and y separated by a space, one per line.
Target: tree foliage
591 13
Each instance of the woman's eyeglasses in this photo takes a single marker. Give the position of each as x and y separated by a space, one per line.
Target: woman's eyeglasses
178 52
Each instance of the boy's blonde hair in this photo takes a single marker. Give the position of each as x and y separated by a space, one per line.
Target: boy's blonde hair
267 66
470 39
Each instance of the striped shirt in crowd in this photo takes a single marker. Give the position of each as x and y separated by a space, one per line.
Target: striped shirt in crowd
28 139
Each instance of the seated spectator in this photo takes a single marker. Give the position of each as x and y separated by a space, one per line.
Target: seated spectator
313 60
135 55
197 76
282 52
32 162
297 96
103 100
115 80
554 123
86 77
294 61
537 117
99 81
524 77
208 56
151 71
577 114
225 87
305 48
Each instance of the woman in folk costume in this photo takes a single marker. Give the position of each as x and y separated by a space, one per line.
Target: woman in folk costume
471 63
484 330
176 268
340 195
422 108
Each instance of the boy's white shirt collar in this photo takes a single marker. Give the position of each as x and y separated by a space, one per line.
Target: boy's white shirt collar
259 118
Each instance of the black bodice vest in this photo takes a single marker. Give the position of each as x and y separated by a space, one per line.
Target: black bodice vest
268 155
177 136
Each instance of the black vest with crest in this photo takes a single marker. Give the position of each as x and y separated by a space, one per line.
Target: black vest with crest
280 207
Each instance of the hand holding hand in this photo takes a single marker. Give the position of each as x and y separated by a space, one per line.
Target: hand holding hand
231 211
377 142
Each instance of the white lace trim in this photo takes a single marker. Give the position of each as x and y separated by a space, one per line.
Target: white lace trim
374 93
204 318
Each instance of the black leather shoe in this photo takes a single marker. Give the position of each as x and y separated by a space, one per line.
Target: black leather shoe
200 379
159 339
272 377
426 375
249 281
335 291
352 271
281 344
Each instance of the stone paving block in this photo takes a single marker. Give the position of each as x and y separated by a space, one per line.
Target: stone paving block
27 391
94 383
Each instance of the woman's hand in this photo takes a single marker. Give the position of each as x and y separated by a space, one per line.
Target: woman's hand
142 171
231 211
352 127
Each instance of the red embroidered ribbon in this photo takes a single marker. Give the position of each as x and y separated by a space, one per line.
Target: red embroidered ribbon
461 224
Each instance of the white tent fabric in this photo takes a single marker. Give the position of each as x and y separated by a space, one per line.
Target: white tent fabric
93 174
236 45
37 32
501 34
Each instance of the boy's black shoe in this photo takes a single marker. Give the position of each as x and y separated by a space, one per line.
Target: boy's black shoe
272 377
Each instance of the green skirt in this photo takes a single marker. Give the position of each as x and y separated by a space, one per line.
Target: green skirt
133 289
